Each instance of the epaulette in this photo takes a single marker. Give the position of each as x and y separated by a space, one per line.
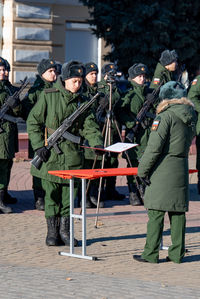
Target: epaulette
49 90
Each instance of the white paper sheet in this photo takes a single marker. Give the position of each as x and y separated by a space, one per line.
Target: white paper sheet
120 147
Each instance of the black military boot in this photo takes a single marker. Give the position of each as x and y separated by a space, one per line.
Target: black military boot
53 238
4 209
113 194
8 199
39 200
65 231
134 197
93 195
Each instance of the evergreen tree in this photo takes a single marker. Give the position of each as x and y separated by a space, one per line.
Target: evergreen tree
138 31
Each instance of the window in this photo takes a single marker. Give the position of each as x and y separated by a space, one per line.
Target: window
81 44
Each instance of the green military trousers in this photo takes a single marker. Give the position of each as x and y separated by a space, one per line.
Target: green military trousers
57 198
154 235
5 166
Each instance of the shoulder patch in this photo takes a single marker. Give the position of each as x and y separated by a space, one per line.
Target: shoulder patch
194 82
155 125
156 81
48 90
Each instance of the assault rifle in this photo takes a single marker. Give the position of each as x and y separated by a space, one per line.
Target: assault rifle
61 132
11 102
143 113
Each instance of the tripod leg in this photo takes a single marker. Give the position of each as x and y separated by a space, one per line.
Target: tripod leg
102 166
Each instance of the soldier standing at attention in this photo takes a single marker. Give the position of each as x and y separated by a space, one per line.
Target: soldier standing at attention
165 165
8 198
8 140
55 105
165 69
194 96
45 79
130 105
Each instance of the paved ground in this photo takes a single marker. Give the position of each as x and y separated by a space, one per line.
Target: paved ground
30 269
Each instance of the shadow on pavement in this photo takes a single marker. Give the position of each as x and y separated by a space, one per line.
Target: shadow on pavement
25 201
189 230
194 196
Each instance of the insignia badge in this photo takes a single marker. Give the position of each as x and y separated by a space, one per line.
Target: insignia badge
51 62
79 70
156 80
155 125
194 82
142 68
111 66
92 65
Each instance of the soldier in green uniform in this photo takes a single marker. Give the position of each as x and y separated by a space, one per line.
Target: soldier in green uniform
8 198
131 104
165 69
194 96
164 166
8 140
45 79
54 105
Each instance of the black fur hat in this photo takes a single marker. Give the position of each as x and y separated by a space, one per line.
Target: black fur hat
2 62
91 67
108 67
7 65
44 65
172 90
167 57
72 69
137 69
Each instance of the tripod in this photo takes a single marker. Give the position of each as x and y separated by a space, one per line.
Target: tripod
107 132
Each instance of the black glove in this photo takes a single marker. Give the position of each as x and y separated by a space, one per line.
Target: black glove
141 184
12 102
43 153
99 152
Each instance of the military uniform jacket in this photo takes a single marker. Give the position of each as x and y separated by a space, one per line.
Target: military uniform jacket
165 160
32 98
33 95
194 96
130 106
53 106
161 74
9 135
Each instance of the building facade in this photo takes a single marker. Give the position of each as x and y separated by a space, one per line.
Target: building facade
37 29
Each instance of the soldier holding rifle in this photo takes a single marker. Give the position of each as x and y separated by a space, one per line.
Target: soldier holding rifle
54 106
130 106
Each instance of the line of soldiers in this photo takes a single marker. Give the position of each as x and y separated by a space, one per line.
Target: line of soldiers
55 95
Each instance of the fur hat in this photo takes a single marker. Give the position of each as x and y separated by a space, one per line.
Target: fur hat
172 90
167 57
7 65
106 68
72 69
44 65
58 67
91 67
2 62
137 69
